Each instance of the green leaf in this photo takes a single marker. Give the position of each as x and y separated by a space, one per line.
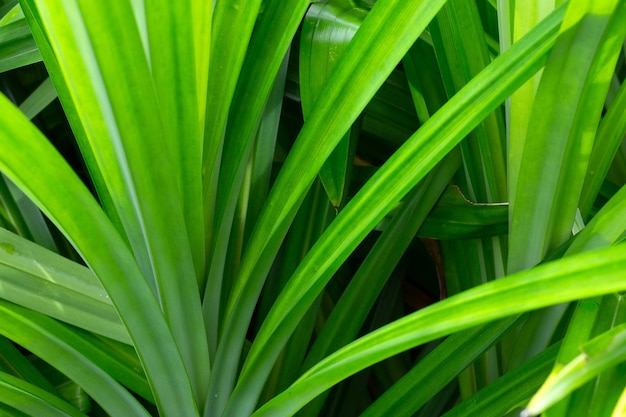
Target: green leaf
262 157
462 51
620 407
33 400
513 388
435 371
562 129
39 99
120 361
46 282
516 19
25 217
67 352
601 353
179 80
233 22
157 196
362 70
84 124
609 385
273 34
591 318
611 133
10 12
579 331
357 300
589 274
12 361
326 32
86 226
606 227
309 224
109 42
425 83
17 47
11 211
6 411
456 217
422 151
460 46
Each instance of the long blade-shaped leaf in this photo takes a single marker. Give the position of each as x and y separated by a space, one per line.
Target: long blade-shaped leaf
111 27
32 399
326 31
436 370
509 390
362 70
39 99
610 135
179 86
233 22
459 42
601 353
354 305
524 16
88 112
48 283
592 273
65 351
17 47
606 227
421 152
84 223
137 136
15 362
275 28
562 130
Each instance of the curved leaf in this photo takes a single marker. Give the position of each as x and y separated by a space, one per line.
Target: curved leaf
46 282
104 250
410 164
58 346
592 273
435 371
599 354
362 70
275 28
507 392
33 400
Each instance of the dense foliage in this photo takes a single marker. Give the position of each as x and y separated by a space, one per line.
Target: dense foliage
333 208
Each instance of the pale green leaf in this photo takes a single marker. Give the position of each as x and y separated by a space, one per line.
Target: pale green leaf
601 353
46 282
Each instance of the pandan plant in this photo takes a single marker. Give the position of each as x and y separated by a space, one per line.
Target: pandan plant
332 208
